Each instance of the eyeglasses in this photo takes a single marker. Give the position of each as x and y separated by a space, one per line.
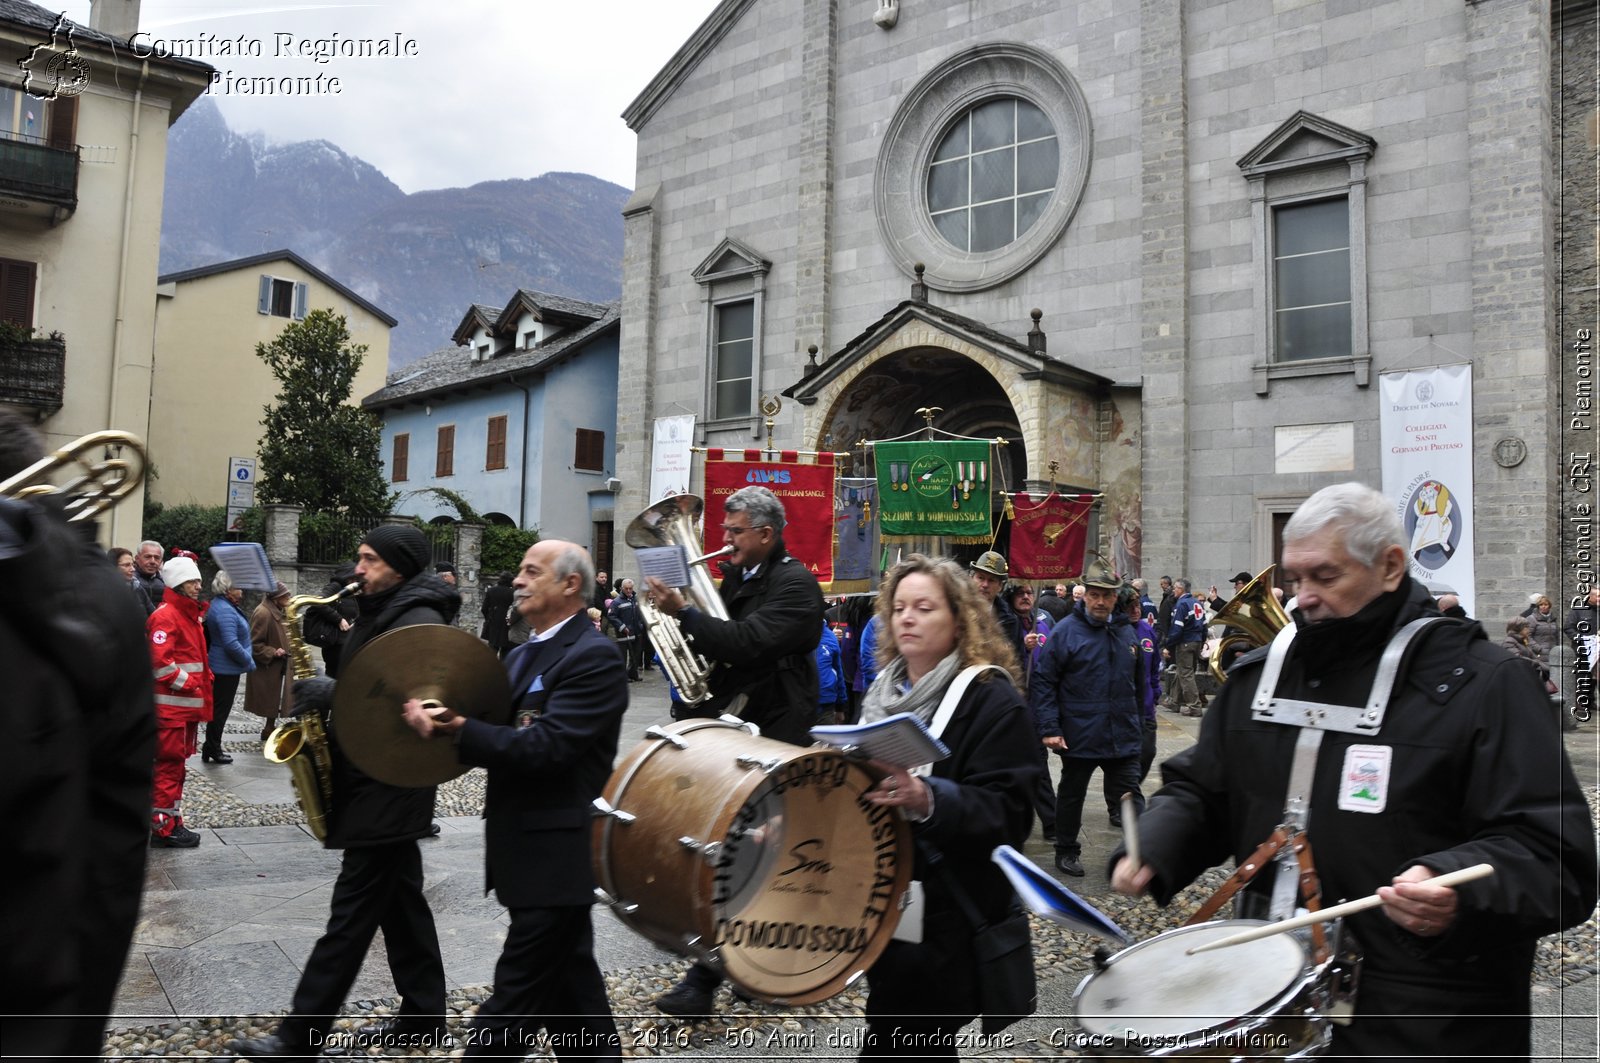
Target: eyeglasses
731 529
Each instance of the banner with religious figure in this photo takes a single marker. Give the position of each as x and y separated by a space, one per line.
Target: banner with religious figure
1425 420
1048 537
804 486
935 487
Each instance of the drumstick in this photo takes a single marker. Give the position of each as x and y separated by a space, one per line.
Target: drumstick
1130 832
1454 878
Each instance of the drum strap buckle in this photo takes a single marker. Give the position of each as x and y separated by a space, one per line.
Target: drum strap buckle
1286 841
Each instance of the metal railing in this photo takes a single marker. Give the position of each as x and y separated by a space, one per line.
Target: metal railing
332 538
34 171
33 373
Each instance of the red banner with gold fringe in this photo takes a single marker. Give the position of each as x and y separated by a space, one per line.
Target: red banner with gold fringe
805 487
1048 537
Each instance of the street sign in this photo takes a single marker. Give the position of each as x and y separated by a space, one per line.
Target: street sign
241 491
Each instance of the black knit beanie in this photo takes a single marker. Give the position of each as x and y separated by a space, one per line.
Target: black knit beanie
402 547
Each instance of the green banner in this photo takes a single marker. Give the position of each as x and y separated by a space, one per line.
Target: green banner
934 487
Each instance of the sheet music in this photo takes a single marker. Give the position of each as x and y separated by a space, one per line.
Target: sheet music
246 564
902 740
1049 899
669 564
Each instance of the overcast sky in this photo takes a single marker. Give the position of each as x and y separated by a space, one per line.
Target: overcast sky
494 89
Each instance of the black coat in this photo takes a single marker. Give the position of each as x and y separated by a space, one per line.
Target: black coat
365 811
320 626
1477 774
75 773
767 648
547 767
496 604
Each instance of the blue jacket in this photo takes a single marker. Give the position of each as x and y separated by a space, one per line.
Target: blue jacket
867 657
1188 621
1085 687
228 639
830 670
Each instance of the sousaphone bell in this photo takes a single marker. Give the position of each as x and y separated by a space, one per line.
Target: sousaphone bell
426 661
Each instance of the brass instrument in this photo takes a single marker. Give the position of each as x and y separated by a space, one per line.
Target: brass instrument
671 522
1256 613
99 486
301 741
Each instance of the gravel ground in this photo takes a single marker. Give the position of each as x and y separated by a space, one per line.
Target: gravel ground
1561 959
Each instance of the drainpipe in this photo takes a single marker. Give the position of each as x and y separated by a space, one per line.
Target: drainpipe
522 481
122 274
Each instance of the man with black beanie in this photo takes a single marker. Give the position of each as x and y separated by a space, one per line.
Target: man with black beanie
380 880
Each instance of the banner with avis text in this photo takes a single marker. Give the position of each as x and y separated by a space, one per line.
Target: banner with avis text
1425 420
934 487
804 487
1048 537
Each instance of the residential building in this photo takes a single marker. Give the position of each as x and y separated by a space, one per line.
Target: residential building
82 160
210 388
519 419
1139 241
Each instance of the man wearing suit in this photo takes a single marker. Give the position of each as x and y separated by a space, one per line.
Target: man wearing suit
545 769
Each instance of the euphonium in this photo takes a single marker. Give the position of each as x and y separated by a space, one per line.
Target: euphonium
101 484
1256 613
301 741
671 522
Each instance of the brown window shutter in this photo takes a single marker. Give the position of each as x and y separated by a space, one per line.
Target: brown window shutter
63 131
590 451
17 280
445 461
496 456
399 466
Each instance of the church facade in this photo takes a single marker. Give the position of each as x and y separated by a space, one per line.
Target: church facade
1156 246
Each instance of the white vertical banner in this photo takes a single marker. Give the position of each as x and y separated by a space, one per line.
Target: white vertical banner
1426 432
670 459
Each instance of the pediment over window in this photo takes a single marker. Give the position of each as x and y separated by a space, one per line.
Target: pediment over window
1306 140
730 259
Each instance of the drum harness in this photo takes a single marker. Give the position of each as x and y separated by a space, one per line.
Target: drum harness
1289 845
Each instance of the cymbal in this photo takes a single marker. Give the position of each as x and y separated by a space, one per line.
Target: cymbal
422 661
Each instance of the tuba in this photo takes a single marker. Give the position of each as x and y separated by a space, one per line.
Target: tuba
671 522
301 741
1255 612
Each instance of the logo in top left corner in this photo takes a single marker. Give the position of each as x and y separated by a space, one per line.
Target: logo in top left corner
53 68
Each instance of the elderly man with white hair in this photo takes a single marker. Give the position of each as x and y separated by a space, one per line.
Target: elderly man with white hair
1458 764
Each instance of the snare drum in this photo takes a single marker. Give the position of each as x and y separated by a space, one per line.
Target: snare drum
756 856
1259 1000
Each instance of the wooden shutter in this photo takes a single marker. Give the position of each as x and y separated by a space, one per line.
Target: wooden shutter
400 464
264 295
495 458
444 462
300 301
591 450
17 280
63 132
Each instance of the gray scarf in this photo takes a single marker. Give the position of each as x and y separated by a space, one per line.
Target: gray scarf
884 697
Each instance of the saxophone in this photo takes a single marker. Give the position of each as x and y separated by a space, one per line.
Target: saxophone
302 741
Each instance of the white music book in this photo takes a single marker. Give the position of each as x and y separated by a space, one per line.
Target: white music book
669 564
246 564
902 740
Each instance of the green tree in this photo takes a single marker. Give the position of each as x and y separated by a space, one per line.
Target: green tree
318 451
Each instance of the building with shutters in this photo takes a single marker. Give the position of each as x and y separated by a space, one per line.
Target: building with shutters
518 417
1166 249
209 388
83 138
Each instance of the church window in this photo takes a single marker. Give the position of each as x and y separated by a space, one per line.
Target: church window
1311 279
992 174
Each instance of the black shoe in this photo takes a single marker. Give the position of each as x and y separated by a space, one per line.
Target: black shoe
434 830
180 838
405 1032
1116 821
208 756
1049 837
685 1001
1068 864
269 1047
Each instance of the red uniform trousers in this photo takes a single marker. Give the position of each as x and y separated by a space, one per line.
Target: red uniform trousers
174 746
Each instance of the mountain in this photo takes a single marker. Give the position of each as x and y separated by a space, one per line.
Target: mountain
423 258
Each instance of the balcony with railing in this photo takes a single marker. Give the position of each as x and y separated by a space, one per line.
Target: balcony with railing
38 179
33 371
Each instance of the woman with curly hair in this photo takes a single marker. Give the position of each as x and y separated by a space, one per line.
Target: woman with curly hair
942 642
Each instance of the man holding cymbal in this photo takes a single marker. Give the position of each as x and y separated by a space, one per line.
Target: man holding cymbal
1456 763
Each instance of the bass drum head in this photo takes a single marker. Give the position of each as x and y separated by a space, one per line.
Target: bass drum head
1155 992
807 885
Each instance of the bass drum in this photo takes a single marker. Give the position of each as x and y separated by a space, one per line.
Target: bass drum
756 856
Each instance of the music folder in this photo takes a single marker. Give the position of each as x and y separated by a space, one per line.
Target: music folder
1049 899
902 740
246 564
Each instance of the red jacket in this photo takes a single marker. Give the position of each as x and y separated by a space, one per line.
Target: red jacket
178 656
